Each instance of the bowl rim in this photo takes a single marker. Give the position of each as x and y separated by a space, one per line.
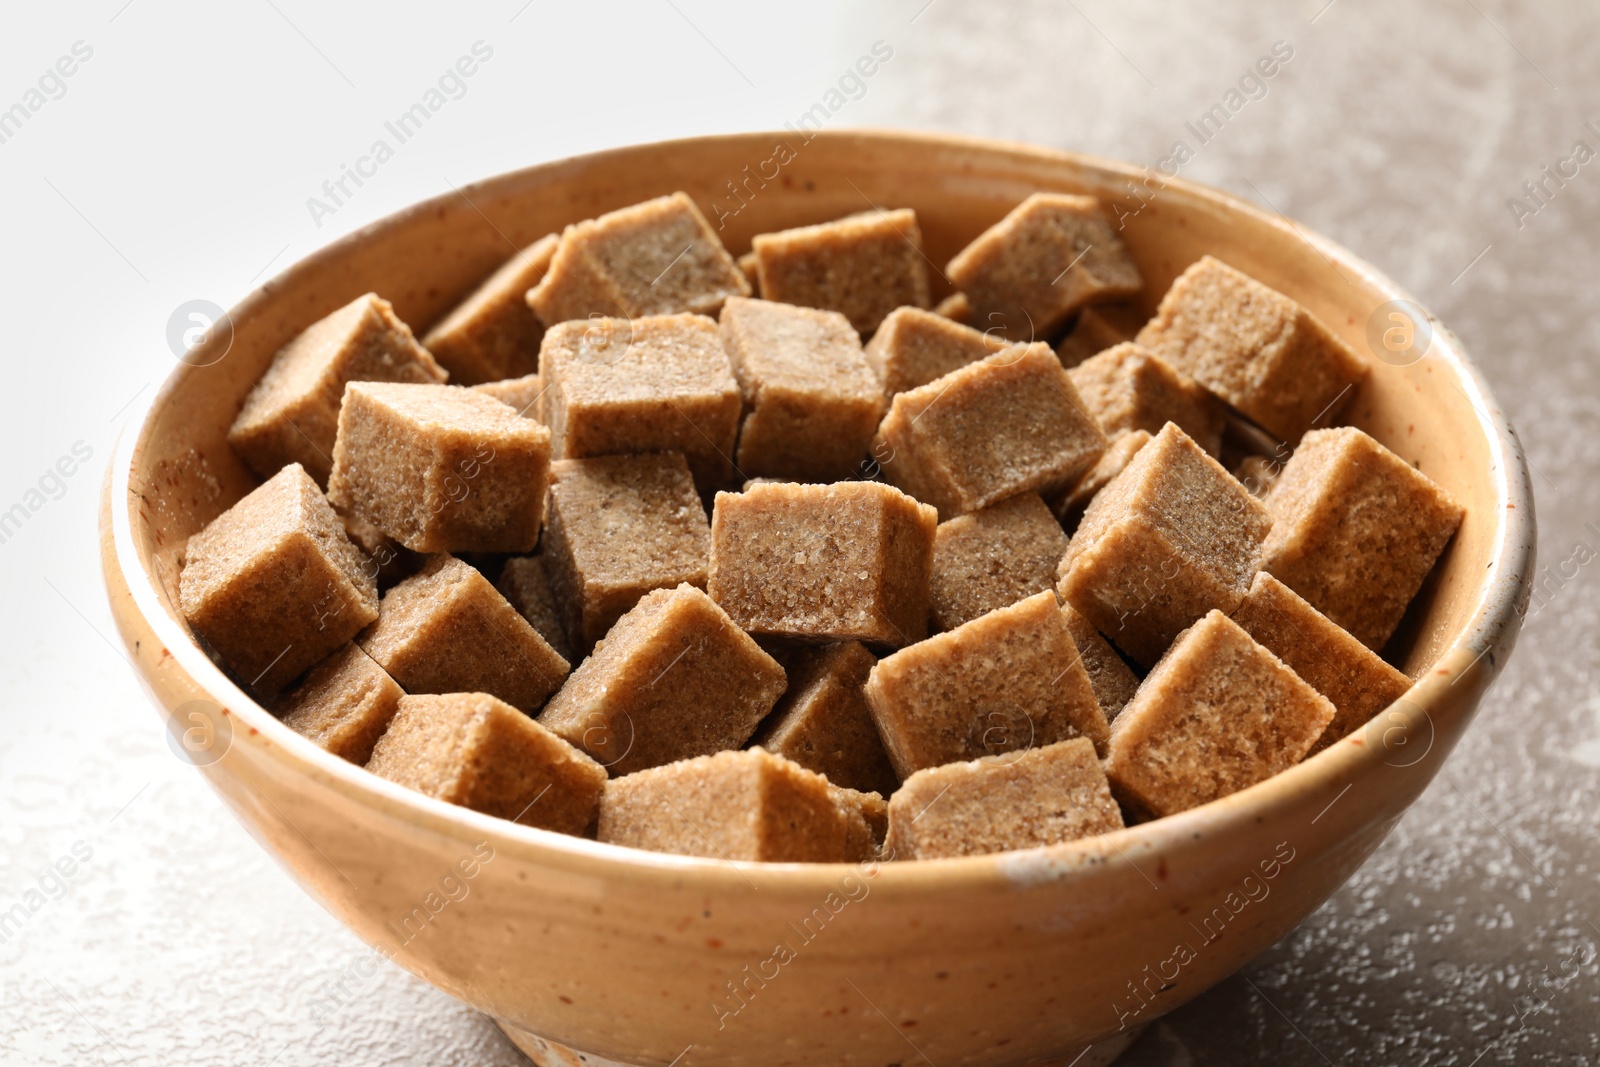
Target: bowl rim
1493 621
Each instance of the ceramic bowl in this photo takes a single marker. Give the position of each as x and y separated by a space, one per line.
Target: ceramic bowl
1028 957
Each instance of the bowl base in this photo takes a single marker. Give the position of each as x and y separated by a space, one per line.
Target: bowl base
543 1052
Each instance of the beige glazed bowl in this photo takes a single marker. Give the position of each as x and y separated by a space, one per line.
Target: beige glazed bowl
1021 958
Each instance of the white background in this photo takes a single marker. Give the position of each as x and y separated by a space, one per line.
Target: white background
177 165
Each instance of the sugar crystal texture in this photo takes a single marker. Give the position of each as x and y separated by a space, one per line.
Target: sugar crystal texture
991 558
439 468
1355 680
823 723
525 583
525 394
344 704
1129 388
748 805
873 811
1097 329
1172 537
663 383
1007 424
447 630
1051 255
1258 473
493 334
388 560
862 266
1254 347
621 526
673 679
913 347
1217 714
479 752
656 258
1113 681
273 585
1007 681
823 562
1355 531
292 413
1044 796
811 399
1069 506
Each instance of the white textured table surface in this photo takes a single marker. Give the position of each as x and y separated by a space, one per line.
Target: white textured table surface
175 164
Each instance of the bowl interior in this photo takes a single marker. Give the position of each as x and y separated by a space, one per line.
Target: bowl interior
425 258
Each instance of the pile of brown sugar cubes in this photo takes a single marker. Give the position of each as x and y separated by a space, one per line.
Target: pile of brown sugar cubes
622 550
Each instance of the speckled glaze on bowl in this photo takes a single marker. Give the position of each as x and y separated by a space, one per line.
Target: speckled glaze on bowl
1021 958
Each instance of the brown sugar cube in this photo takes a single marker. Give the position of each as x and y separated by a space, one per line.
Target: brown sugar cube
823 723
655 258
823 562
292 414
993 557
748 805
621 526
615 386
1097 329
913 347
674 678
783 649
955 307
811 399
1114 683
1355 530
388 560
493 334
524 394
1131 388
1008 424
440 469
1172 537
1043 796
1217 714
874 814
747 267
1354 679
1070 505
1051 255
525 583
862 266
344 704
273 585
1009 680
1254 347
479 752
1258 474
447 630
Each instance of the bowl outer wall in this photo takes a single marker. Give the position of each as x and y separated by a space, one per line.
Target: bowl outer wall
1018 958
